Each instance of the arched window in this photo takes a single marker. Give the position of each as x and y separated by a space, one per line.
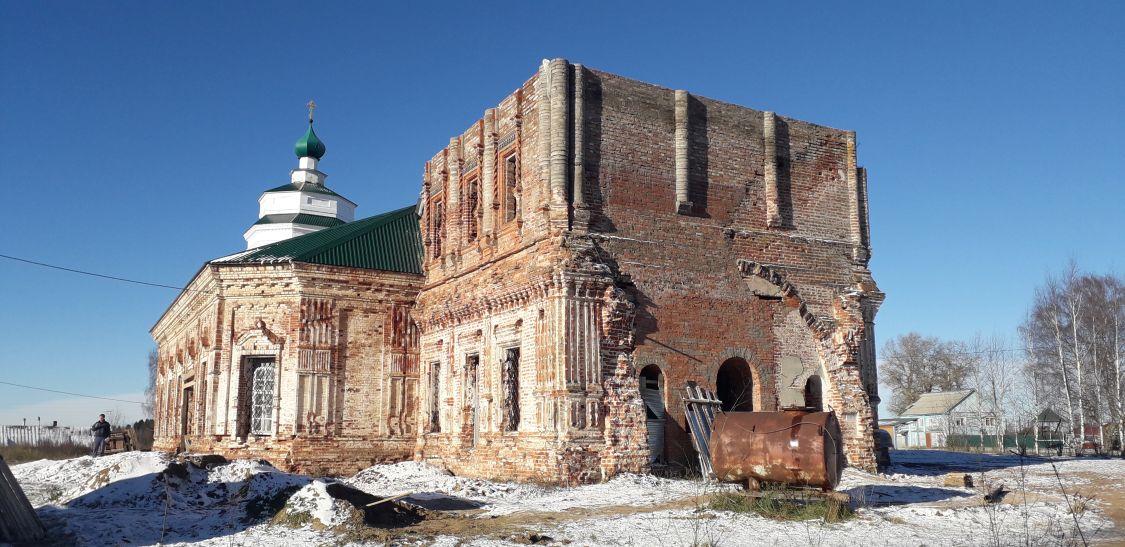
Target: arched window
734 385
813 397
472 209
652 392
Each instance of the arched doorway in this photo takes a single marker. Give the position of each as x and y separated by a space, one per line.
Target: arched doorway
813 394
652 393
734 385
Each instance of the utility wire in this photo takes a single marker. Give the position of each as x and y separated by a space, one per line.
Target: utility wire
115 278
998 350
104 276
69 393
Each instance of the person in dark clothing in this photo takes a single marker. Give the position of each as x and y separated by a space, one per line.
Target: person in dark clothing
101 431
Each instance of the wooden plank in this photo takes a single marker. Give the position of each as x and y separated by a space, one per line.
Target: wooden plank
18 521
400 495
699 410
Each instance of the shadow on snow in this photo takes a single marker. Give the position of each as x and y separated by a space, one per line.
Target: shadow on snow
180 504
940 462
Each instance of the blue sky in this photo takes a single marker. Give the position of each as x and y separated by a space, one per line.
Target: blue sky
137 136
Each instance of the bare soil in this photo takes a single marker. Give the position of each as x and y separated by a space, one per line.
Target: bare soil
517 527
1111 500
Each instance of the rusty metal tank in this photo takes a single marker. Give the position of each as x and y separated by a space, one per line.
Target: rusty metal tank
791 447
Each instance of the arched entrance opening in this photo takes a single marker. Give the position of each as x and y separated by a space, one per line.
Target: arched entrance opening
734 385
813 395
652 393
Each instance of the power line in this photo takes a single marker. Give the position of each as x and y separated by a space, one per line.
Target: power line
104 276
996 350
74 394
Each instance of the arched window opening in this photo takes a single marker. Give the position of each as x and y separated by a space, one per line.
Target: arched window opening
813 397
734 385
652 393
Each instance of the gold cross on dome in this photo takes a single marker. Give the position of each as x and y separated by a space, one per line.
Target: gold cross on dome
312 107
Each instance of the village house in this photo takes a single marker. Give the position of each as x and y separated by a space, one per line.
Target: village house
579 254
946 418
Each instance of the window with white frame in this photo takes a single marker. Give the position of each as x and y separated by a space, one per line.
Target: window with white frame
262 377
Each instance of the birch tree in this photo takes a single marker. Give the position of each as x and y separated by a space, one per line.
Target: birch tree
1073 338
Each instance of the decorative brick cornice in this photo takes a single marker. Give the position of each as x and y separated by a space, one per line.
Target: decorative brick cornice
454 313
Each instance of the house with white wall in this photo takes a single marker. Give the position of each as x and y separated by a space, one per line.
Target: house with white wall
935 416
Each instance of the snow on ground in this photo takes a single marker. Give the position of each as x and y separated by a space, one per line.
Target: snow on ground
144 499
430 483
61 481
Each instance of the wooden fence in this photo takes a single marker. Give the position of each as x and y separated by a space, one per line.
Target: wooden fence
33 435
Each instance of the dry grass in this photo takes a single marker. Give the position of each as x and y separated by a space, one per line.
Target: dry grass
783 506
25 453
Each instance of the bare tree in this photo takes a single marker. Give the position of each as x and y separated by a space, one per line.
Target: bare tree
996 375
1074 347
1045 337
913 364
150 389
1118 303
1102 297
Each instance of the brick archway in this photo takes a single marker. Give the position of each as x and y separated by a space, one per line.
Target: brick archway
734 385
837 340
814 395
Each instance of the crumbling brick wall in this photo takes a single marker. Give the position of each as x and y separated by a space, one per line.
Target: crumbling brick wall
761 189
344 348
671 200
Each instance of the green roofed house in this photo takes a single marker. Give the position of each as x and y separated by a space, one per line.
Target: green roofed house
299 350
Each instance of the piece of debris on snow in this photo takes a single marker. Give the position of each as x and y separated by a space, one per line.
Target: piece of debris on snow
996 495
329 504
958 480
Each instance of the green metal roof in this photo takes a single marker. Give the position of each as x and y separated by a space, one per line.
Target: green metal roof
390 242
301 218
310 145
303 187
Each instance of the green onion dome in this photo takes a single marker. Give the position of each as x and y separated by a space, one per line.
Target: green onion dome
310 145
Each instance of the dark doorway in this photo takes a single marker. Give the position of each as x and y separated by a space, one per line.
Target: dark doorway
813 398
652 393
187 412
735 385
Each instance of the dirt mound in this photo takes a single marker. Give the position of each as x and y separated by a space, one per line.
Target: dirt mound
379 512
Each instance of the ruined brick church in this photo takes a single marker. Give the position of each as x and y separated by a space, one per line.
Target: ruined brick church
580 254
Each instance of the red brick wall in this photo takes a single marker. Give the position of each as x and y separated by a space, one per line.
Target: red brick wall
695 309
232 312
695 306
